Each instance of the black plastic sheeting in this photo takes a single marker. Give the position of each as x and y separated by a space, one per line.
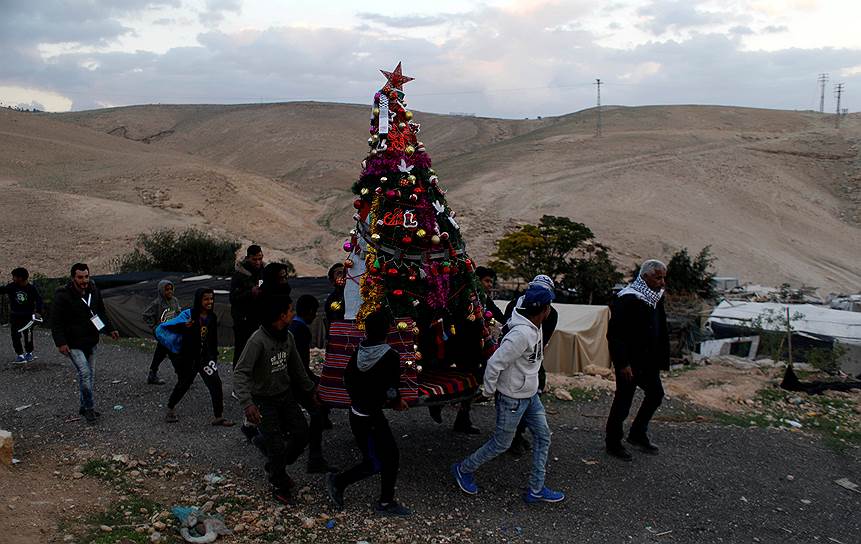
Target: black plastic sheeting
126 302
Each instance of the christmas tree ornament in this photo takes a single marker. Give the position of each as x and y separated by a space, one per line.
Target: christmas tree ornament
402 126
414 198
415 303
375 138
421 233
375 237
398 292
409 114
488 314
418 368
378 190
357 203
384 179
418 356
443 235
407 240
411 178
409 150
412 277
403 325
376 111
364 191
336 306
435 240
392 272
348 246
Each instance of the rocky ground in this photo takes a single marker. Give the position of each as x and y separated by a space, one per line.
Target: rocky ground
746 475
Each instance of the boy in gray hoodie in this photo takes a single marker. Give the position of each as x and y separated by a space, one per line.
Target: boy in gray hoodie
512 377
266 375
164 307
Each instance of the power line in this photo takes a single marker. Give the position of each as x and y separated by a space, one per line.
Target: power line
598 127
838 90
823 79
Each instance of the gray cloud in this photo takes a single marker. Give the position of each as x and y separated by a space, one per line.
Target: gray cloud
775 29
409 21
666 15
216 11
496 63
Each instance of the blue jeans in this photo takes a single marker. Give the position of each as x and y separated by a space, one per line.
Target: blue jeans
86 366
509 412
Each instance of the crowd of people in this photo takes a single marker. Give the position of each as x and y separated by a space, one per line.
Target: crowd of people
275 385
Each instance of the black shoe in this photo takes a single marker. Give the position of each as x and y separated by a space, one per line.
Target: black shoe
435 413
462 424
335 493
392 509
250 432
643 443
153 379
319 466
82 410
519 447
90 415
619 452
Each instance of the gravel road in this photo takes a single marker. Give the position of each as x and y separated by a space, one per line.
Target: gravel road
709 484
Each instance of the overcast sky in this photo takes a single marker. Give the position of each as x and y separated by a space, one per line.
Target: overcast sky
504 58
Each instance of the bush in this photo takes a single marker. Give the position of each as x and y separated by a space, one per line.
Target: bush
592 276
686 276
191 251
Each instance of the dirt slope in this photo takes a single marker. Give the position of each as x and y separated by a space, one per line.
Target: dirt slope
771 191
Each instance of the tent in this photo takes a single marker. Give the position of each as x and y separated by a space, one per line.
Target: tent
815 327
125 304
580 338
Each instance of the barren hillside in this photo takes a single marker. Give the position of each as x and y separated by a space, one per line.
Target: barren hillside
775 193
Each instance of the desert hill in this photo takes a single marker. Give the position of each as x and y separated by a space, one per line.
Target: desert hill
774 192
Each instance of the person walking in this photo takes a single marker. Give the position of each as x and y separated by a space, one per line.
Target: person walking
25 306
198 355
512 377
77 317
267 378
164 307
244 290
640 349
372 378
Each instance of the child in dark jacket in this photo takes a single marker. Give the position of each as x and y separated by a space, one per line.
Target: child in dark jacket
164 307
372 378
198 355
24 303
269 376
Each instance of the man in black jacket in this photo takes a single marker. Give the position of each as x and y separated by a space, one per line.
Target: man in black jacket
640 349
77 317
244 290
24 303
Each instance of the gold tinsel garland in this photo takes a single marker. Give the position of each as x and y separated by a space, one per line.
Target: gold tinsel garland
372 289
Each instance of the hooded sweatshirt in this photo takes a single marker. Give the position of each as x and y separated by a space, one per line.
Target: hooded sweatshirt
269 366
23 301
372 378
513 368
161 309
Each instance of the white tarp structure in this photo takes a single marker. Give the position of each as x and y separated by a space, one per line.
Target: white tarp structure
845 327
580 338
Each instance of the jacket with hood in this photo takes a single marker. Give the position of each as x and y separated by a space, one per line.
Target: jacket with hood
269 366
23 301
243 281
70 317
513 368
372 378
161 309
200 341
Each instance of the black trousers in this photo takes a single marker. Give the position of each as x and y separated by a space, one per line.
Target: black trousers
285 435
242 331
318 416
650 382
379 454
15 323
160 353
186 372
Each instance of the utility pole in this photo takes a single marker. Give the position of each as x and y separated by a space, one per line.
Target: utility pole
838 90
823 79
598 127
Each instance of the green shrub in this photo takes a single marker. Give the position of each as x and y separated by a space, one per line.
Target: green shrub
191 251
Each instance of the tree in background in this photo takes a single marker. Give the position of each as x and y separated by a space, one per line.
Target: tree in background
592 276
545 248
412 254
686 276
191 251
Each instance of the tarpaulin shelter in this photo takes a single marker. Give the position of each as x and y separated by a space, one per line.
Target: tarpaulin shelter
580 338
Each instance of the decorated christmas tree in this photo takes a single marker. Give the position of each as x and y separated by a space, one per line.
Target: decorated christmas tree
407 253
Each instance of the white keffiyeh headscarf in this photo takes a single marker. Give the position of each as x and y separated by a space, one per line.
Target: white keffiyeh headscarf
641 290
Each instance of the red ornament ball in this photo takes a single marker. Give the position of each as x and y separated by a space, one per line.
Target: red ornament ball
393 271
357 203
398 292
407 240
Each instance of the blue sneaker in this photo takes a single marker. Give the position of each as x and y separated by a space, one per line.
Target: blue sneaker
29 357
465 480
20 359
545 495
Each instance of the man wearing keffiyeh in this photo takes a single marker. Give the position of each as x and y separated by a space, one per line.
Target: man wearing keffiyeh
640 349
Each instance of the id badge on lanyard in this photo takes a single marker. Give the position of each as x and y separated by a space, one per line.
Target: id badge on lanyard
94 319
